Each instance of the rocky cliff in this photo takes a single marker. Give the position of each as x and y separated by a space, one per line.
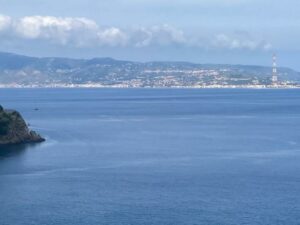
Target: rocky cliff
14 130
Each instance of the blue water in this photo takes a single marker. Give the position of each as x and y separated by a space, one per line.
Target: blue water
157 157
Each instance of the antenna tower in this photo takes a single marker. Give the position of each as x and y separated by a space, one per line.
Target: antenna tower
274 70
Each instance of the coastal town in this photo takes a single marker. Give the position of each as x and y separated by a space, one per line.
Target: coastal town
111 73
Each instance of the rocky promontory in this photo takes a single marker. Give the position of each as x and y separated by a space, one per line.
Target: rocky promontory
14 130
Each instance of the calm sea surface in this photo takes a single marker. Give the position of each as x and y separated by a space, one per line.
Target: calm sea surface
157 157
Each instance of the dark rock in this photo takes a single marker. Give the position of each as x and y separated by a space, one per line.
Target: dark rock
14 130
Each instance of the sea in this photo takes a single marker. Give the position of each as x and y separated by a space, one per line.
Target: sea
154 157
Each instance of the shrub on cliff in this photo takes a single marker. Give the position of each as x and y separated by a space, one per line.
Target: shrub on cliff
4 122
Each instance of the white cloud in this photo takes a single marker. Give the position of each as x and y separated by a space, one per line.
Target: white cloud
5 22
113 37
162 35
83 32
239 41
56 29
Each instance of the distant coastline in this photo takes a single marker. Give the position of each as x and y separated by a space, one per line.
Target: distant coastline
94 86
19 71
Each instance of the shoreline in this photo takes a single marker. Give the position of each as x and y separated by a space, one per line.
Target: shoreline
260 87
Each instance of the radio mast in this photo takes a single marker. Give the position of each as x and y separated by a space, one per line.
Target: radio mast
274 70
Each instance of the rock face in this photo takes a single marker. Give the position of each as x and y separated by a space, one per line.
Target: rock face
14 130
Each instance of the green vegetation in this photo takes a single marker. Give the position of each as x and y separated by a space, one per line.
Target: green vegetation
14 130
4 121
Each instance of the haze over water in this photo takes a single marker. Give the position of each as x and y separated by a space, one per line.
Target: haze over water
154 156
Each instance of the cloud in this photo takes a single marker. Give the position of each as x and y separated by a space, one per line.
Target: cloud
61 30
86 33
112 36
162 35
80 32
241 40
83 32
5 23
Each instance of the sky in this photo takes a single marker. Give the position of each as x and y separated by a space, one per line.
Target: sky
200 31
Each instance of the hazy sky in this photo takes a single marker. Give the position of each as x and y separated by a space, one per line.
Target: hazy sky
215 31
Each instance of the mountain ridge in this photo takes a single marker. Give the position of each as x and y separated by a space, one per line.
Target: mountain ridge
20 70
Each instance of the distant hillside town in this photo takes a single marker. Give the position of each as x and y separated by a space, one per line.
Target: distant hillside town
24 71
